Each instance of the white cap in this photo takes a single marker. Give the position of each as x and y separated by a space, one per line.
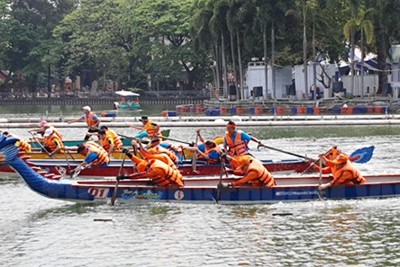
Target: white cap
48 132
87 108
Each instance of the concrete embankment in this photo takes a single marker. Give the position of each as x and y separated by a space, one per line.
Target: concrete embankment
207 121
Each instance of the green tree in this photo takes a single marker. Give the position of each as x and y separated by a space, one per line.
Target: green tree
362 23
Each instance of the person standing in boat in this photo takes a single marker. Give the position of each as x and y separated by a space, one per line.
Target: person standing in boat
91 119
340 166
252 171
236 141
157 170
94 155
152 128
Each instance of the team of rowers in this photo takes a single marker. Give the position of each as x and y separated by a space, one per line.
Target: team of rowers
159 160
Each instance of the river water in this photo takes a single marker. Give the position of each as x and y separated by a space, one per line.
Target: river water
36 231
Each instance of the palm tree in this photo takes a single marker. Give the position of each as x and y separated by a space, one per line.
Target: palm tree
366 28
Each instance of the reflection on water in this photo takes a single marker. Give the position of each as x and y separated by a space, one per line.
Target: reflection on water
36 231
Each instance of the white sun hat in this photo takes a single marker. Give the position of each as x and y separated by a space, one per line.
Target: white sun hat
87 108
48 132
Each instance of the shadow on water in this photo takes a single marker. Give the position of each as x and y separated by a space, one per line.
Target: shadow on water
68 209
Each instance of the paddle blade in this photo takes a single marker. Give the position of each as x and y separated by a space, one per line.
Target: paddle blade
362 155
165 132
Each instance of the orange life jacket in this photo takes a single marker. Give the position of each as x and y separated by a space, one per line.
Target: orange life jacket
208 151
53 142
117 140
90 121
343 171
168 175
22 145
162 150
257 175
238 146
106 142
151 129
57 132
102 157
239 161
162 157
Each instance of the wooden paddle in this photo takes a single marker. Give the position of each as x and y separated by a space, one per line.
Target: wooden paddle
194 159
114 195
134 138
61 170
286 152
220 185
176 140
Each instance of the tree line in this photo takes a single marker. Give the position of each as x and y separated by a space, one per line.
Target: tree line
184 44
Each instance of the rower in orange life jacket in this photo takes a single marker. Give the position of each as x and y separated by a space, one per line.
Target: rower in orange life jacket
44 125
91 120
94 155
340 166
147 156
158 171
152 128
236 141
52 143
22 145
117 140
108 142
253 172
156 148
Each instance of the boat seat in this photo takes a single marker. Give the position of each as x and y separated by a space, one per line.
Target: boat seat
25 157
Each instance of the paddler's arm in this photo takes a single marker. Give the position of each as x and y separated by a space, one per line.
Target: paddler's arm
77 120
200 137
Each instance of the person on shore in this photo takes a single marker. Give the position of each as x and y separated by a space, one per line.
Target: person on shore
158 171
94 155
149 126
252 171
340 166
91 119
236 141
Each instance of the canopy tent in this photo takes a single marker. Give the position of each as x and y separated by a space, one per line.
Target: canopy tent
126 93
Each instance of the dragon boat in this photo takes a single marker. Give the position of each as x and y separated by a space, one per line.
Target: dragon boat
205 189
186 168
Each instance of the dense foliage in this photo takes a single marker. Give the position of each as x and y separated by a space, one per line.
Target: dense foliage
182 44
